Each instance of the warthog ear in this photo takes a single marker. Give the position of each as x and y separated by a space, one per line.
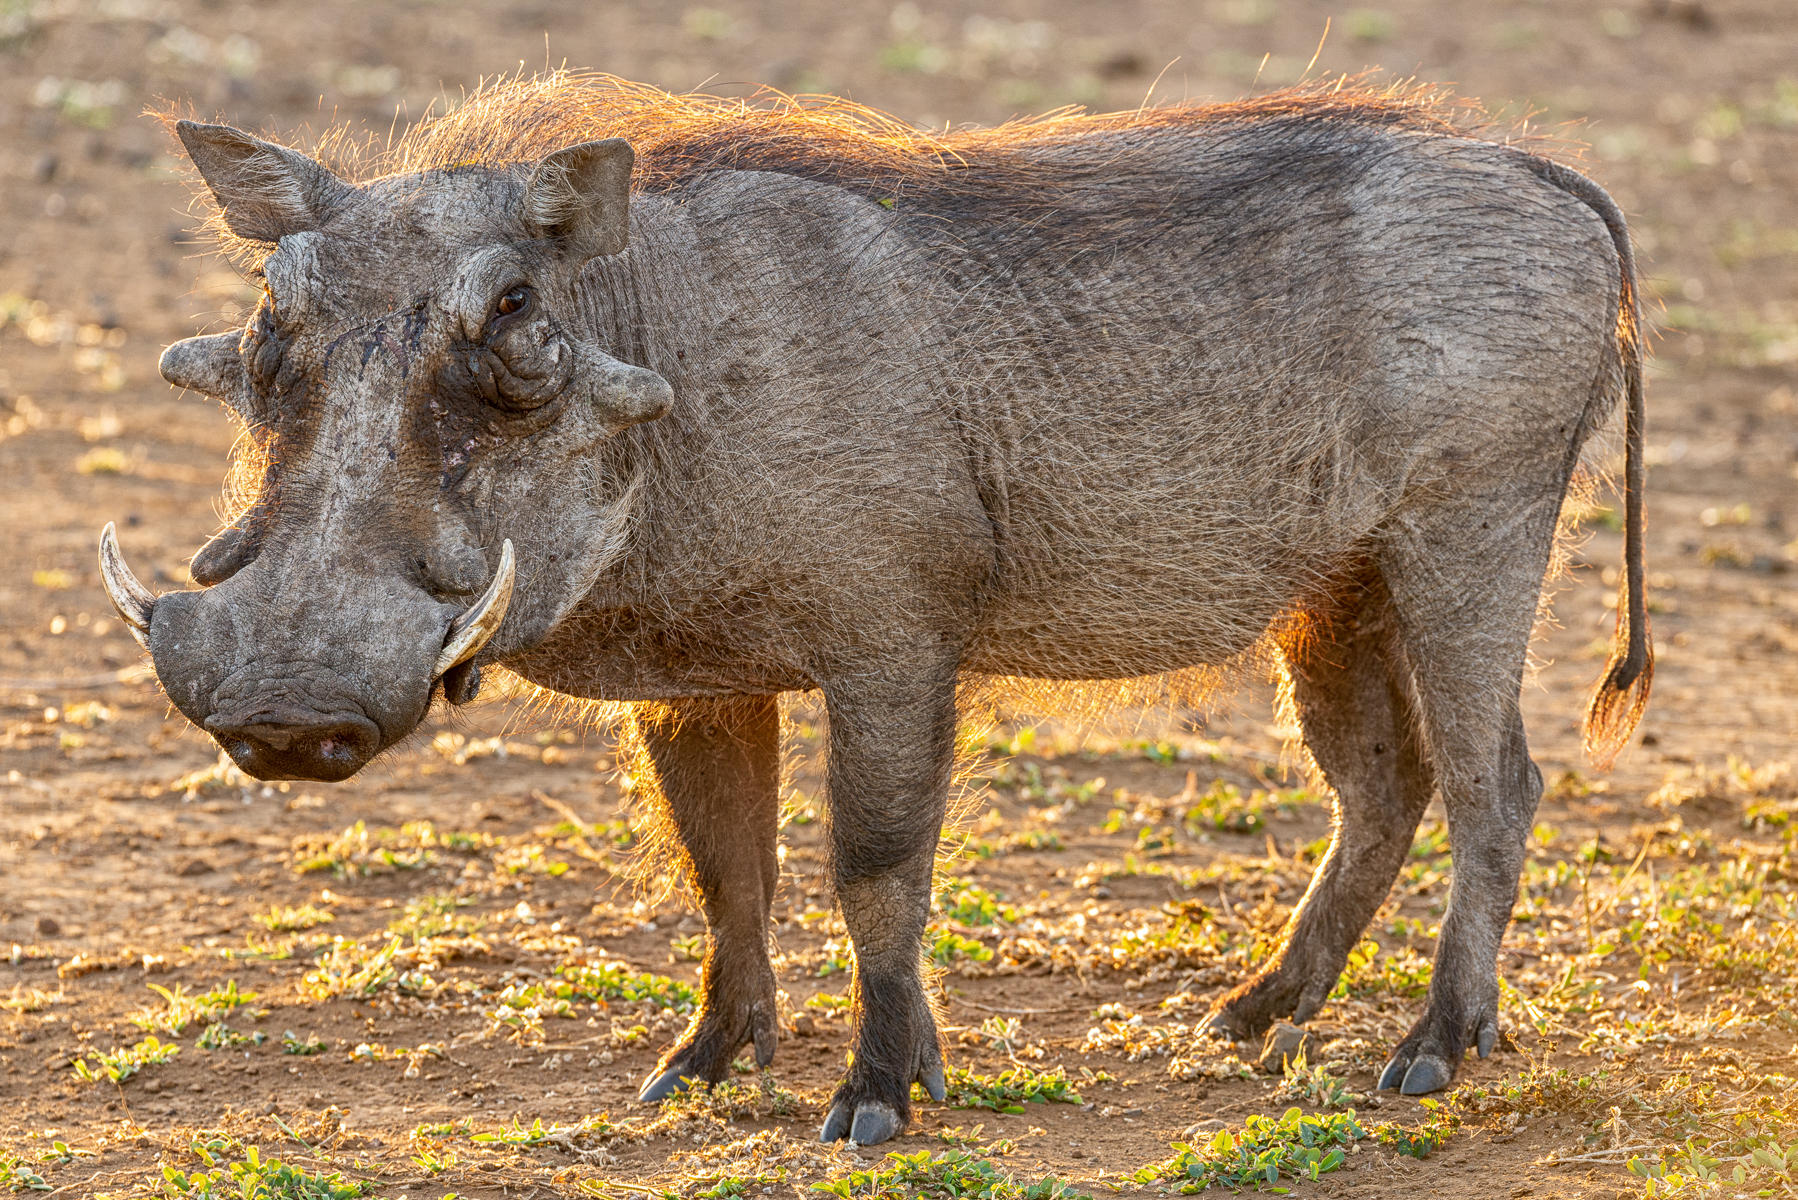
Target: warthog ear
266 191
582 195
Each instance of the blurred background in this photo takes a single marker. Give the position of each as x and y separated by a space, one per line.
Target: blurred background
1689 109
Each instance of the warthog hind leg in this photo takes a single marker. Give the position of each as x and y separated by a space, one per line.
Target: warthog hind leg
1465 582
1354 704
717 764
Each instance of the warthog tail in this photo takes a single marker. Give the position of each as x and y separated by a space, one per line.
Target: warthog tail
1621 696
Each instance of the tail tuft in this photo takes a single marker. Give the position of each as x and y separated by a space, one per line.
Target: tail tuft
1621 696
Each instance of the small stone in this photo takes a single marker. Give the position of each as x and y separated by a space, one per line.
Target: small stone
1285 1042
153 1086
193 867
1204 1129
804 1026
48 927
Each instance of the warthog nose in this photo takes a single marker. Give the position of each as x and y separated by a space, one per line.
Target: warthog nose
297 745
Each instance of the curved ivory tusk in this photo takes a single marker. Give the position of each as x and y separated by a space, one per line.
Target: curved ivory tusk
131 598
470 631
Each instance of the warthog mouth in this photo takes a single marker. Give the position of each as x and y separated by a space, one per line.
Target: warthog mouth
304 723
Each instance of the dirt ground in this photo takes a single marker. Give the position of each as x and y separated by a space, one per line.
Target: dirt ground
455 993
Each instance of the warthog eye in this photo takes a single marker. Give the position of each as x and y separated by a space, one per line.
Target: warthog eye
513 302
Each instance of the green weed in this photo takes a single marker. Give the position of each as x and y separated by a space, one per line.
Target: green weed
121 1064
951 1175
1010 1089
256 1178
16 1176
292 1043
181 1009
1265 1151
284 919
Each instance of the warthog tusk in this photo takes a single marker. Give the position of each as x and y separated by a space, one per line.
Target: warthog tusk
131 598
470 631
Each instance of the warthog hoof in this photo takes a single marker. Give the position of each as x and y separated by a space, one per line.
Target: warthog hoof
733 1017
1427 1061
868 1122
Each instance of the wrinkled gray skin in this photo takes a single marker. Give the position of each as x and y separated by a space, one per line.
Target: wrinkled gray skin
1239 373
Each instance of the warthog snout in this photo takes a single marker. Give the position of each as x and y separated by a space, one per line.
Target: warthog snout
304 687
284 742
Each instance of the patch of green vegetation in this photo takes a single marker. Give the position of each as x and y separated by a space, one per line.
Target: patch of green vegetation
360 850
348 968
838 959
1694 1170
1314 1085
537 1133
121 1064
951 1175
947 946
1010 1089
1187 932
529 860
220 1036
722 1186
1265 1151
1030 782
292 1043
1222 808
16 1176
1403 972
1162 753
434 916
968 903
1420 1141
433 1161
523 1006
1024 841
181 1009
615 980
256 1178
62 1152
284 919
457 1128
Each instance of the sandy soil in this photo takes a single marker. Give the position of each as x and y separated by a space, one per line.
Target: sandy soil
131 861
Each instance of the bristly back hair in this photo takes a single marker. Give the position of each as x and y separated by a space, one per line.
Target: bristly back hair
512 120
677 137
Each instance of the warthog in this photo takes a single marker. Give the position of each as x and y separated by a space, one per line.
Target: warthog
795 397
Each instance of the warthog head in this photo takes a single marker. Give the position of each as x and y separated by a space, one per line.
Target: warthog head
424 391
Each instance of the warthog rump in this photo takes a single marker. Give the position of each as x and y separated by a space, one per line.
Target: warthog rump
689 403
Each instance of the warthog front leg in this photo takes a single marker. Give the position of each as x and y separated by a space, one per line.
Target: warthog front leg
717 764
1353 696
891 747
